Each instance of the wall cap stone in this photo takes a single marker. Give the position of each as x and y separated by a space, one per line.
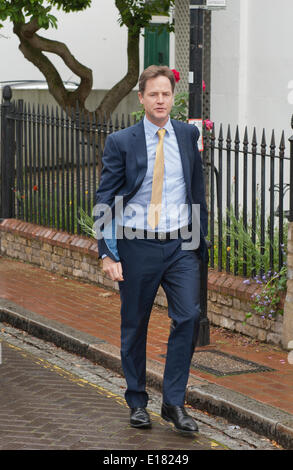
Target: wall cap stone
80 243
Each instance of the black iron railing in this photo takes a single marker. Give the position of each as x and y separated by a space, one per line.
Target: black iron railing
250 201
51 164
54 161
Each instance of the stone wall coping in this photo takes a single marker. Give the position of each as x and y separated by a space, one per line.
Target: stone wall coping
234 286
228 284
51 236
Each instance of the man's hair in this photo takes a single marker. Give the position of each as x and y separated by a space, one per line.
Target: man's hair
154 71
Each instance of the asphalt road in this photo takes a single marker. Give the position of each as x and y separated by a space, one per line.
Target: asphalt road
53 400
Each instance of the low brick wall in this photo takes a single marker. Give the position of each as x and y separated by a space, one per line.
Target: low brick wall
77 256
69 255
288 305
229 300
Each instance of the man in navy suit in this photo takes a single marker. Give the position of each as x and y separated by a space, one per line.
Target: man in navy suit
151 182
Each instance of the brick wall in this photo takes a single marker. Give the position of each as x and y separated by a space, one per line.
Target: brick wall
288 305
77 256
61 252
229 300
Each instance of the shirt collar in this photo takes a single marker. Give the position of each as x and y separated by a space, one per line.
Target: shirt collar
151 129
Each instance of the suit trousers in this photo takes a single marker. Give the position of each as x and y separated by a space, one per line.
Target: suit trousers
146 264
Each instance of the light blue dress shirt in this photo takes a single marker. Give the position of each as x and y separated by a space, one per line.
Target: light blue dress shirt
175 211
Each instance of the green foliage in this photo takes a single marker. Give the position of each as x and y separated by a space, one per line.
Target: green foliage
138 114
256 259
137 14
179 110
21 11
269 285
86 223
180 107
267 302
71 5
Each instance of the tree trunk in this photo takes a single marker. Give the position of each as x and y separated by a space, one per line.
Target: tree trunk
33 47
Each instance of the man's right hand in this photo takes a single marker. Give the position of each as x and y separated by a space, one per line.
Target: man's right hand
112 269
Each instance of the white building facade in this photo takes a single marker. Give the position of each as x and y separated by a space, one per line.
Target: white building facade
252 65
251 56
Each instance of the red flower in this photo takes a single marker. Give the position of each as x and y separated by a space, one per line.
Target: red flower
35 188
209 124
204 85
176 75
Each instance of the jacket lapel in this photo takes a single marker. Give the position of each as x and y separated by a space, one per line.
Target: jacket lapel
182 140
138 147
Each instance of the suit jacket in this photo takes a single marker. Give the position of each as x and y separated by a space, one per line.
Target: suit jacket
125 165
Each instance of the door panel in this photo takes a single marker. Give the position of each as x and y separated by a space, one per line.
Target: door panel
156 46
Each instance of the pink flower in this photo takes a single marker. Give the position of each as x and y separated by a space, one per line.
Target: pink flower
176 75
204 85
209 124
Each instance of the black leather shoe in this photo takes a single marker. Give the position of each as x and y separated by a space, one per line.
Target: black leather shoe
179 417
139 418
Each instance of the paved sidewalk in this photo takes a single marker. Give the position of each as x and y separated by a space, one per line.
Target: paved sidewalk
85 318
44 407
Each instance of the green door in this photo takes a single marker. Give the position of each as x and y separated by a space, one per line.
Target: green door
156 46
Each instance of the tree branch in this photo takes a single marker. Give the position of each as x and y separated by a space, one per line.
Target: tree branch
32 46
29 29
128 82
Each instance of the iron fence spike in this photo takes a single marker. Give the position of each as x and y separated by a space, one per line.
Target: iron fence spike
116 122
254 138
221 132
237 137
273 144
245 140
282 143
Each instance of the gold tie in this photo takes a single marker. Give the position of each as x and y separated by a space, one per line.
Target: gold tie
158 179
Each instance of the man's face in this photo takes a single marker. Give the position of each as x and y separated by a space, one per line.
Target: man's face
157 100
